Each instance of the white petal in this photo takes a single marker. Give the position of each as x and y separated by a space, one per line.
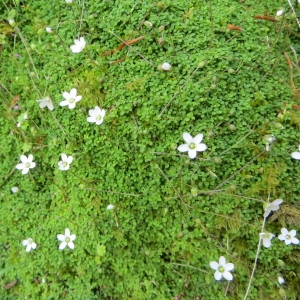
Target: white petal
218 275
296 155
277 202
214 265
50 105
64 103
267 243
99 122
183 148
228 276
91 119
61 237
73 237
222 261
28 248
64 157
33 245
188 138
78 98
198 138
72 105
20 166
43 104
66 95
30 158
288 242
70 159
284 231
62 245
229 267
25 171
293 232
281 237
294 240
33 164
25 242
67 232
75 49
201 147
23 159
192 153
73 93
71 245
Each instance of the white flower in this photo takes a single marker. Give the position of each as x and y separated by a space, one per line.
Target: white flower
46 102
71 98
296 155
110 207
66 240
96 115
29 243
289 237
65 162
222 269
266 238
281 280
273 206
11 22
166 66
78 45
49 29
193 145
14 189
279 12
27 163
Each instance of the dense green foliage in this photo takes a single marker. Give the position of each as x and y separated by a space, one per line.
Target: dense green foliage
172 215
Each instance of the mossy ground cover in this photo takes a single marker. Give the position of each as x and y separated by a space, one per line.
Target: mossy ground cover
172 215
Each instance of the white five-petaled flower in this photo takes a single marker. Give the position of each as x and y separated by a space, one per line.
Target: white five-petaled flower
29 243
66 240
193 145
289 237
279 12
110 207
280 280
78 46
71 98
273 206
222 269
266 238
96 115
14 189
27 163
296 155
166 66
46 102
65 162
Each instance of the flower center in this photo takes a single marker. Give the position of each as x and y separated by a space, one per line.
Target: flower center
288 237
192 146
71 100
27 165
267 235
98 118
65 163
68 240
221 269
